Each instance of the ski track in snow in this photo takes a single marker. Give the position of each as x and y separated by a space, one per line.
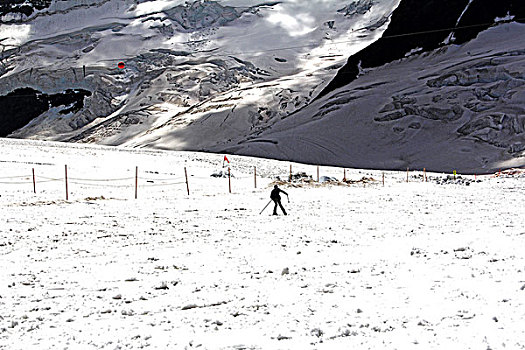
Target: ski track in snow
408 265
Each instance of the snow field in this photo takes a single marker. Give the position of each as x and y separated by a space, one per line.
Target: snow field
405 266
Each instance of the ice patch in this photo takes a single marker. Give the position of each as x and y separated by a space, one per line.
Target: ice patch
295 25
507 18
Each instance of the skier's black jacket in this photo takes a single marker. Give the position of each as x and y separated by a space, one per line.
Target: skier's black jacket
275 193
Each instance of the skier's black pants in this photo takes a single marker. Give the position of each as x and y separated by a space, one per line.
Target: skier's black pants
278 202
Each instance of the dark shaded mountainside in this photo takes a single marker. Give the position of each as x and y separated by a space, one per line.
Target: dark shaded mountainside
21 106
22 7
424 25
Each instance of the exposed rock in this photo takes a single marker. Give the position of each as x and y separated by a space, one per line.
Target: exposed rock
22 8
358 7
317 332
21 106
189 307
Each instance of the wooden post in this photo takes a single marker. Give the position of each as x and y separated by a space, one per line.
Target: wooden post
425 173
383 179
67 190
344 175
407 174
187 185
290 177
229 180
136 181
255 176
34 182
84 69
318 173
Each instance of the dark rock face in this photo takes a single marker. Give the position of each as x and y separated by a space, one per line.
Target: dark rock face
20 106
431 19
23 7
484 12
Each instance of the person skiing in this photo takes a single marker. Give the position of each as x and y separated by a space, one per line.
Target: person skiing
276 198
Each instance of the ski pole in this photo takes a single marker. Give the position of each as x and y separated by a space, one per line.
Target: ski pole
265 206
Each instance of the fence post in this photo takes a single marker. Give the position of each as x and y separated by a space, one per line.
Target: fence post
255 176
383 179
318 173
344 175
425 173
187 185
407 173
67 190
136 181
34 182
290 177
229 180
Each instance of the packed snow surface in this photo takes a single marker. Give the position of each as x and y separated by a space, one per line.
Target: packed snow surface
407 265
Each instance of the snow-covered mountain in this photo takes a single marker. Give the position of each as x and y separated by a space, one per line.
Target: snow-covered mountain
245 63
269 78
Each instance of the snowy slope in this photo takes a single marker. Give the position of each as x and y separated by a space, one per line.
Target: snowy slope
459 107
416 265
247 61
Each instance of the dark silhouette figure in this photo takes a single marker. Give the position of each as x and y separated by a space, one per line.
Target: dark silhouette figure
276 198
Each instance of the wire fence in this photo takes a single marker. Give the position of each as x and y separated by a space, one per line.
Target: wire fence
297 176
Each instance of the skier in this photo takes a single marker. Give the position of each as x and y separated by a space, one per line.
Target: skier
276 198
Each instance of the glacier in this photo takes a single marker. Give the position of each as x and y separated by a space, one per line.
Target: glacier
243 63
317 82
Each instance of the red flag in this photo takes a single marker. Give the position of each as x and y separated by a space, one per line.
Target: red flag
226 159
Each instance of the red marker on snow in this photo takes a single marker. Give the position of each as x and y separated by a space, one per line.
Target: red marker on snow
225 159
121 65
